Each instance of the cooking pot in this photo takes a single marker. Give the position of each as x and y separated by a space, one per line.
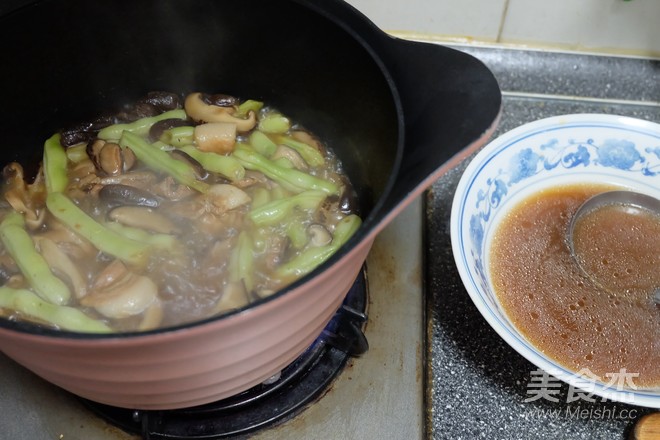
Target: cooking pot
397 113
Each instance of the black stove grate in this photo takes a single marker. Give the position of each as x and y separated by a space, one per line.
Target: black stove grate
264 405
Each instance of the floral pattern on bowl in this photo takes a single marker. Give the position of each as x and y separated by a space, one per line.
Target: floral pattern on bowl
549 152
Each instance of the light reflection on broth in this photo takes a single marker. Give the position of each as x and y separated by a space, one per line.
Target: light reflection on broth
560 311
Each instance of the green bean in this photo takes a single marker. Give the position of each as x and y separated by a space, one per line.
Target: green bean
160 241
278 210
178 136
291 178
159 160
249 106
162 146
32 265
260 196
105 239
67 318
283 162
262 143
228 166
311 155
312 257
140 127
241 261
54 165
274 123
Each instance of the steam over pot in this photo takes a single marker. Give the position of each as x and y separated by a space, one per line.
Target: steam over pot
397 113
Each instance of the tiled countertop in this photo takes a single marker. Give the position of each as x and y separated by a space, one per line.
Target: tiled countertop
477 386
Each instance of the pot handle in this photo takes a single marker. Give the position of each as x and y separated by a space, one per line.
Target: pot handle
449 99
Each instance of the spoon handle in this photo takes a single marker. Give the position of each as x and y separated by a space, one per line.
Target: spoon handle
647 428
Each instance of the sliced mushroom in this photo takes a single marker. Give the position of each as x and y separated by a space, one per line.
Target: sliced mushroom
220 99
319 235
110 157
275 251
292 155
85 132
118 194
198 169
200 111
138 179
26 199
143 218
234 296
110 274
307 138
225 197
242 125
82 169
94 149
122 295
153 316
61 265
254 178
67 240
156 130
163 101
170 189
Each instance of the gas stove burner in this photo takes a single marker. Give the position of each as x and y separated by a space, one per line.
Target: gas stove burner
274 401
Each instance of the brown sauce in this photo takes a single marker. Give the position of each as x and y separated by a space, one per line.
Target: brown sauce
572 320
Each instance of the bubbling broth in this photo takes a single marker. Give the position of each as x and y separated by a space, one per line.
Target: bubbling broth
168 212
571 319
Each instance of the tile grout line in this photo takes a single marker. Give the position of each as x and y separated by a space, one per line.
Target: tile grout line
553 97
500 29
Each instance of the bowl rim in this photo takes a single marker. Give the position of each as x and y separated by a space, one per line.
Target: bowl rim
503 328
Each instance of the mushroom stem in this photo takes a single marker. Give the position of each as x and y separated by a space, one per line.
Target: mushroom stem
61 263
215 137
143 218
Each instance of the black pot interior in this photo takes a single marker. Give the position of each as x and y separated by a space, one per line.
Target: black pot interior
71 60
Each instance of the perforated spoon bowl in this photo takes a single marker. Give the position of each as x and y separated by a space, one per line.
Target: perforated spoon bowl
630 199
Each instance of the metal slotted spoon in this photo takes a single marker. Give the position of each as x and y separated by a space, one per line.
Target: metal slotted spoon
631 199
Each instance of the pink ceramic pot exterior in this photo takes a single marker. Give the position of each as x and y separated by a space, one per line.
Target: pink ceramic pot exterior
195 365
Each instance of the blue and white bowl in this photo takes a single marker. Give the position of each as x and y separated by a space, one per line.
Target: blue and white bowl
581 148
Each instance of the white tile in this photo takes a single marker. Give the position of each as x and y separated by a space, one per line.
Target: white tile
605 25
625 25
478 19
